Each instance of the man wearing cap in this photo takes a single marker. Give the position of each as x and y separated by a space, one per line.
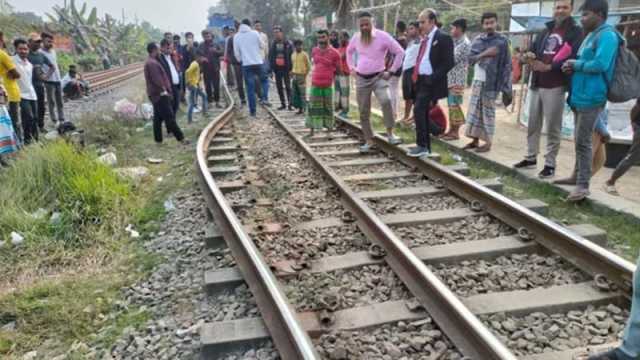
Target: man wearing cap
39 62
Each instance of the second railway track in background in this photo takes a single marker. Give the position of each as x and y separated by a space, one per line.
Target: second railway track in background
105 80
385 256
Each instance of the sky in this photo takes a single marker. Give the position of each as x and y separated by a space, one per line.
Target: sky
171 15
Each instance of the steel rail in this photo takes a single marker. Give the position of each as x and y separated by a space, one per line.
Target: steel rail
289 336
461 326
579 251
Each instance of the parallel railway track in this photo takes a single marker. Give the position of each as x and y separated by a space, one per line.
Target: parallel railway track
441 236
101 81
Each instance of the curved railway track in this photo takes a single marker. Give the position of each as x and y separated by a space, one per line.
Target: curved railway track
484 268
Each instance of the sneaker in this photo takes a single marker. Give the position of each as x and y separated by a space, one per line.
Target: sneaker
547 172
394 140
290 108
418 151
196 110
365 148
525 164
282 107
578 194
344 114
608 355
243 102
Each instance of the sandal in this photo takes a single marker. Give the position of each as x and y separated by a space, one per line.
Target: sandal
469 146
610 189
483 149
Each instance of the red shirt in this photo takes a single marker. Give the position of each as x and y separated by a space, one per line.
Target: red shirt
343 60
325 64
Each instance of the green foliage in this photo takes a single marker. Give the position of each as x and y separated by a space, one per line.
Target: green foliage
57 177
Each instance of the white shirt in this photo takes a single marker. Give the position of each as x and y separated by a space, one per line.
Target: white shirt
411 55
425 64
264 39
479 73
25 68
53 59
175 78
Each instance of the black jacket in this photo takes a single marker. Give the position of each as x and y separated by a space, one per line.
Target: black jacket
573 35
288 50
165 66
442 62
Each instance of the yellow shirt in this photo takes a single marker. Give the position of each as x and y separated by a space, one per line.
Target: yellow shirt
301 63
11 85
192 74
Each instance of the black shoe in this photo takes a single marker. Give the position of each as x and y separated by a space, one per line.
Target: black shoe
547 172
525 164
243 102
290 108
282 107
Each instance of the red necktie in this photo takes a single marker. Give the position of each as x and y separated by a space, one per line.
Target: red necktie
416 69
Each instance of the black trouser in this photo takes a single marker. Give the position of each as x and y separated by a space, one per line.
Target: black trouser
40 92
175 105
163 112
15 120
282 76
28 113
212 83
231 81
423 103
237 70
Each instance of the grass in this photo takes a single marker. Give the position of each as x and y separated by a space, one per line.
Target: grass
63 285
621 229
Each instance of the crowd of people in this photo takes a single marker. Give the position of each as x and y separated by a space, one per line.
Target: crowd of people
30 82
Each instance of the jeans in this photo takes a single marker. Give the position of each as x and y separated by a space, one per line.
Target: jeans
283 83
163 112
40 92
250 74
602 123
194 92
583 134
545 105
28 112
54 100
630 348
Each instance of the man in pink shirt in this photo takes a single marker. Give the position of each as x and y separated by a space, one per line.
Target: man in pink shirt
372 46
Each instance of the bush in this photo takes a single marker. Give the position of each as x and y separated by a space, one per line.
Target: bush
59 178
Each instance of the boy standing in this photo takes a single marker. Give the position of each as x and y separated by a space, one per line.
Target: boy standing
301 68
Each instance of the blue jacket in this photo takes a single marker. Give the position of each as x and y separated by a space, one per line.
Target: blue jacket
594 68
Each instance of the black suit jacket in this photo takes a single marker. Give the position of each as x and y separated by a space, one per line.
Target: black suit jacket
442 62
167 69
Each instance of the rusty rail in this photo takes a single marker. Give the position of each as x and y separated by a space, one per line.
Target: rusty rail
579 251
290 338
463 328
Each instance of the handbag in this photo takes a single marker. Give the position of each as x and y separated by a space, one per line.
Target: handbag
8 137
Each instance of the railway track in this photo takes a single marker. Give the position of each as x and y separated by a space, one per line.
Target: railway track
101 81
386 256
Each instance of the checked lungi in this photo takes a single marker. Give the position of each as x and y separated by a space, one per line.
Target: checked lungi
481 117
299 98
320 108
